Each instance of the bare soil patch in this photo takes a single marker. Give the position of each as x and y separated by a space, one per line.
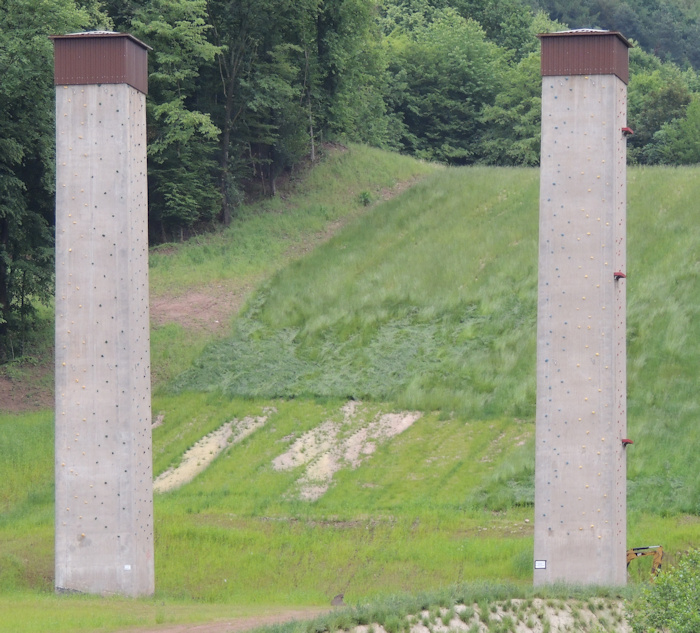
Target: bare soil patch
29 387
209 308
391 192
203 453
323 450
335 445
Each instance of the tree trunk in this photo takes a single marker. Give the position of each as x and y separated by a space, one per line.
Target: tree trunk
4 277
225 150
307 81
311 133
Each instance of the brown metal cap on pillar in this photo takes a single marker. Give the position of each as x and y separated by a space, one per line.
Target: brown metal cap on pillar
585 52
100 57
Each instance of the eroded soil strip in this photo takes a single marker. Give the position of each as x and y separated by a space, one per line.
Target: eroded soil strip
203 453
325 450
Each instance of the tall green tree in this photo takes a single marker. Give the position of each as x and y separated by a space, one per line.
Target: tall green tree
260 85
182 181
289 74
352 70
658 93
575 13
445 73
678 141
513 123
122 12
27 150
506 22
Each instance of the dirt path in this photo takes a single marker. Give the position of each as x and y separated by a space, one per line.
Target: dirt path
33 391
211 307
232 625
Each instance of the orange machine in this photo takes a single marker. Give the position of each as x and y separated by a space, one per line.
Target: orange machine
650 550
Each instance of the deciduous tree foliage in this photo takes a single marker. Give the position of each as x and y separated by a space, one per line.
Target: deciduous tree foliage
27 155
678 141
448 72
658 93
671 602
512 123
260 78
668 28
243 91
182 140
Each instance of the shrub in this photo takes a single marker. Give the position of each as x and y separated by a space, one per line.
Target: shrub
393 624
365 198
671 603
446 616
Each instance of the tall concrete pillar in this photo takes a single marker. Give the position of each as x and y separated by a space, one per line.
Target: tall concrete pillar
104 497
580 472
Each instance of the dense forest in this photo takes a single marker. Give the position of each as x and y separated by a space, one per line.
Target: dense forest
242 92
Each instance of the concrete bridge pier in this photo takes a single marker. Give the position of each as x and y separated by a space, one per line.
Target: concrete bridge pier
580 472
104 497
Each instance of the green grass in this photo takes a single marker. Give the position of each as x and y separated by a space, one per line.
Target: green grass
26 501
664 339
402 520
30 612
172 348
292 561
427 302
26 446
405 520
266 235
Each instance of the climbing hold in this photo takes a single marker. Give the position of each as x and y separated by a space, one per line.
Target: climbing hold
625 442
619 275
626 131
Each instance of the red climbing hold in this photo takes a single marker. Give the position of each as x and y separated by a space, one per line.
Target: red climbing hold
627 131
625 442
619 276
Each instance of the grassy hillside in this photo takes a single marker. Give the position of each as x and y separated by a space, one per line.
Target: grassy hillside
429 302
425 302
664 339
266 236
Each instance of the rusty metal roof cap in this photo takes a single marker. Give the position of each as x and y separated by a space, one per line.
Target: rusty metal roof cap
100 34
593 32
100 57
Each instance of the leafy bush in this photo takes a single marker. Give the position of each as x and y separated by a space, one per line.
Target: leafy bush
671 603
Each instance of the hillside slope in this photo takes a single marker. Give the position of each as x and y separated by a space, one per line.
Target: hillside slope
384 361
429 302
